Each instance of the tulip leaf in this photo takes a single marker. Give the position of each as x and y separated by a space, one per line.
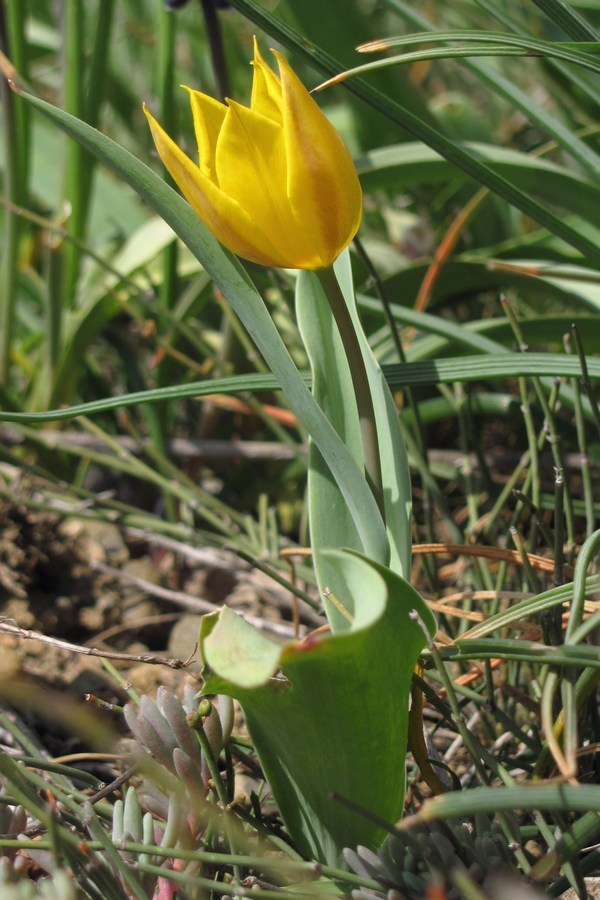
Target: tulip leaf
241 294
238 650
394 461
332 522
331 715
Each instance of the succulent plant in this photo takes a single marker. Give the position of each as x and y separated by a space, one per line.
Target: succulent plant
165 730
170 808
410 864
57 886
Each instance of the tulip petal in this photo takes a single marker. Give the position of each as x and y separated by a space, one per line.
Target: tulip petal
208 118
266 89
229 223
275 182
251 166
323 186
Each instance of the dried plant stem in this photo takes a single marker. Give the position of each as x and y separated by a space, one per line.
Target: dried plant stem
27 635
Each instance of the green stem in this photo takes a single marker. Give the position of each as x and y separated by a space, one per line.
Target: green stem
568 19
16 12
95 91
10 242
166 68
219 785
98 67
73 38
360 381
217 49
586 474
54 321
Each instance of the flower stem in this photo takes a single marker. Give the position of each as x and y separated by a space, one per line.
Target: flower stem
360 381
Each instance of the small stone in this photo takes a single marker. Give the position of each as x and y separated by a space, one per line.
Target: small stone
97 541
10 658
146 679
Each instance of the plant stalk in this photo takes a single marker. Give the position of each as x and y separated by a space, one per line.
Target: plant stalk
10 242
360 381
74 177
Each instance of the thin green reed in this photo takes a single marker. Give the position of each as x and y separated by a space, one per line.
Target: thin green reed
554 438
85 81
460 400
537 520
530 580
166 82
16 16
157 417
586 384
16 155
580 79
586 473
519 99
532 443
479 756
526 467
568 19
10 241
73 34
96 81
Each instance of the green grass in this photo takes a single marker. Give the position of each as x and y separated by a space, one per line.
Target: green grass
479 287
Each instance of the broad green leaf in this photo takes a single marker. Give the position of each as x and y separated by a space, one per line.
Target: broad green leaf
114 206
143 245
544 330
331 522
331 716
406 165
237 650
538 330
394 464
463 278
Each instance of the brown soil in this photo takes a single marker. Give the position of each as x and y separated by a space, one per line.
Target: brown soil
89 583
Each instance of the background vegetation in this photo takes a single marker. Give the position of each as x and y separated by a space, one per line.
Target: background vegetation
478 282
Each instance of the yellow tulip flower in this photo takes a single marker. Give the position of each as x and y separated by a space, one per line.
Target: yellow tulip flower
275 182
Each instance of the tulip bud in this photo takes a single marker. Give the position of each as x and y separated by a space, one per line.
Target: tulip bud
274 183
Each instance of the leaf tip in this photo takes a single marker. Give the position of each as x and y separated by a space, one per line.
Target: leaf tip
325 84
373 46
